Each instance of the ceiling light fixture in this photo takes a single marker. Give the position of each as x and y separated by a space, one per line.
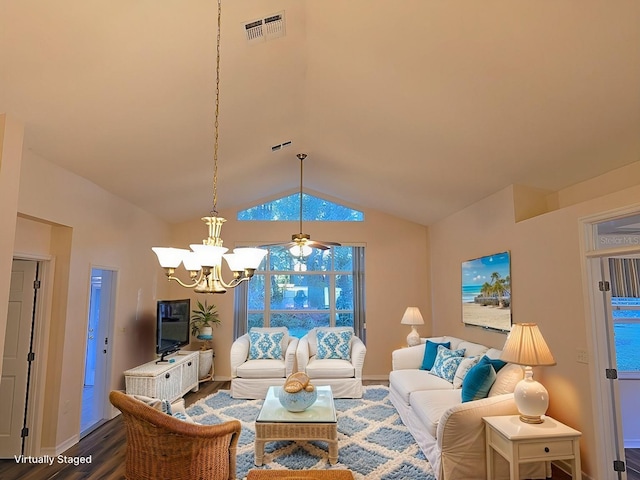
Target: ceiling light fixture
204 261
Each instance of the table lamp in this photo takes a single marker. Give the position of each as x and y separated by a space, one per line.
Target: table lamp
526 346
412 317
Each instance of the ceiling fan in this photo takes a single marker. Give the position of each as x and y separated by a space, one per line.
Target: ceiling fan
301 244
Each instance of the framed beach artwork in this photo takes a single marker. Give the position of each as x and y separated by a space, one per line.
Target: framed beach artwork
486 292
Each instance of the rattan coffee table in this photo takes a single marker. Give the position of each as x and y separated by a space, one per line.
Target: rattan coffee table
318 422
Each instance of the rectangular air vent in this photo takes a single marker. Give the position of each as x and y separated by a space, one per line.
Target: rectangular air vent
275 148
264 29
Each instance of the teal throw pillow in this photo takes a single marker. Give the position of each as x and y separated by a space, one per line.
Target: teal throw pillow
265 346
496 363
334 344
430 352
477 382
446 363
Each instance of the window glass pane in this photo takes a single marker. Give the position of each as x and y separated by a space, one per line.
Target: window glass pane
627 338
344 320
300 292
255 320
344 292
256 293
343 258
313 209
299 323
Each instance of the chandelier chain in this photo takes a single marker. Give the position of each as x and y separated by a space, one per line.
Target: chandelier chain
214 210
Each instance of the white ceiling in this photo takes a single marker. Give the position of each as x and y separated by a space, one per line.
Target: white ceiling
413 107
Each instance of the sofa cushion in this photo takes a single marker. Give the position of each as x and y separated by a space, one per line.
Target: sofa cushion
506 379
329 368
334 344
471 349
446 363
463 369
430 352
406 381
262 369
429 406
495 362
478 382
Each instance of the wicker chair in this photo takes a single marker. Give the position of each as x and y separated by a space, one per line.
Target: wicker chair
161 447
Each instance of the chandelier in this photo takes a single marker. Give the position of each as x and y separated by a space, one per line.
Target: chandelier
204 261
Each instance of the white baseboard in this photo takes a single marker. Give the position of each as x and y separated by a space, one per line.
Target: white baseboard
632 443
376 377
220 378
61 447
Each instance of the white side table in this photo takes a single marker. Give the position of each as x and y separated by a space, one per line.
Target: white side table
520 442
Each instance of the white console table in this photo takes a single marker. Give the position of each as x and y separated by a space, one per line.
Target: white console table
166 380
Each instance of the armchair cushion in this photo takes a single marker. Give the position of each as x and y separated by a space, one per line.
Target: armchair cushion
265 345
267 368
329 368
334 344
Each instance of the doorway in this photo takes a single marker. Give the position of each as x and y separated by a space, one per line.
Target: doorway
18 358
94 410
612 252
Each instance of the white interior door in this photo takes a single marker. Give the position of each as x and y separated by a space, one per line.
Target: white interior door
13 386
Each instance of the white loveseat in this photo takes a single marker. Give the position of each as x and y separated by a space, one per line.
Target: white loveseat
451 433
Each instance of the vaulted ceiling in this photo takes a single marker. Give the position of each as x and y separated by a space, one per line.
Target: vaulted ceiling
413 107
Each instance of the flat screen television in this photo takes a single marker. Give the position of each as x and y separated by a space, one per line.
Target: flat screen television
172 331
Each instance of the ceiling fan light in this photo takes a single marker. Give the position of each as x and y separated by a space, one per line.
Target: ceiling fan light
300 251
169 257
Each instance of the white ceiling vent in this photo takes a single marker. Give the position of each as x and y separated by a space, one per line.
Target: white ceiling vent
264 29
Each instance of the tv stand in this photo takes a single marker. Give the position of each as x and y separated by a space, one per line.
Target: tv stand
168 380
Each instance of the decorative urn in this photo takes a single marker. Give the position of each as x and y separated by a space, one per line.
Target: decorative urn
297 394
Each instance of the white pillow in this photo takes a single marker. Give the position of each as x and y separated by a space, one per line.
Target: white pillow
463 369
506 380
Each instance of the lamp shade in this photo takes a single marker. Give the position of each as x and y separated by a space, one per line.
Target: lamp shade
526 346
412 316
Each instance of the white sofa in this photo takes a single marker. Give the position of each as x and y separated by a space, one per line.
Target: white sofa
343 376
451 433
251 378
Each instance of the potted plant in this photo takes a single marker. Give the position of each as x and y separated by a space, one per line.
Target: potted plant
203 319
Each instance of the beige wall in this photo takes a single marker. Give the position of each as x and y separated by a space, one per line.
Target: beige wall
396 267
80 226
547 289
11 133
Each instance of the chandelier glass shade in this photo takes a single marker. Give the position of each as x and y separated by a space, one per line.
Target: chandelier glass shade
204 261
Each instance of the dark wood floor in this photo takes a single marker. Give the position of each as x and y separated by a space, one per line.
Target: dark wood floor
106 445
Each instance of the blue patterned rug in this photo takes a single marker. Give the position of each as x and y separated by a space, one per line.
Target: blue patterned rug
372 440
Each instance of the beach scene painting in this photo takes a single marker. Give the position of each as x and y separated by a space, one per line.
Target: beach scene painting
486 292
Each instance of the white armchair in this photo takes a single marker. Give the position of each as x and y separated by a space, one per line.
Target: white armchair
343 375
254 370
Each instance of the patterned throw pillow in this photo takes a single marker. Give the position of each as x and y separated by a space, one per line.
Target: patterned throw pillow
446 363
334 344
265 346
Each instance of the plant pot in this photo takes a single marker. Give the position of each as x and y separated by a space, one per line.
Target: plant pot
206 365
205 333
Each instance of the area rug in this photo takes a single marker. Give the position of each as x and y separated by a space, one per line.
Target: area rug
372 440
